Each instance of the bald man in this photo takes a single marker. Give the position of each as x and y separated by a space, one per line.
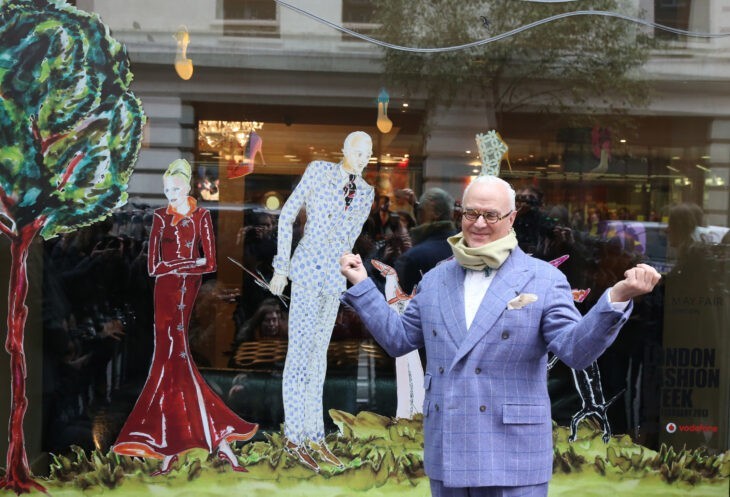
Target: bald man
488 318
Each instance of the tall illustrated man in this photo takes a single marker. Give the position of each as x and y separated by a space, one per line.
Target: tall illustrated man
337 201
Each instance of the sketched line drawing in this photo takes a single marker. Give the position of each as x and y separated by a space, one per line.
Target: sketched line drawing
337 201
259 279
408 368
588 383
177 411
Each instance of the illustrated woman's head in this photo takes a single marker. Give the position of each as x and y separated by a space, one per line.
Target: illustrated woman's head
176 182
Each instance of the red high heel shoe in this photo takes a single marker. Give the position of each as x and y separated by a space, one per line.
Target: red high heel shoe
165 467
235 465
245 167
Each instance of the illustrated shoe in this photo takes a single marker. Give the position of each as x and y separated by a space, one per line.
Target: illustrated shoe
246 165
300 452
253 147
166 466
326 455
602 166
233 462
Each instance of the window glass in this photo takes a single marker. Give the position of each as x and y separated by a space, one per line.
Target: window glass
617 148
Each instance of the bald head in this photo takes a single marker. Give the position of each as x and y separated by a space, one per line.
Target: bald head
494 182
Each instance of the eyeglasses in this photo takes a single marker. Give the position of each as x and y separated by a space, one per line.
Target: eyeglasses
490 217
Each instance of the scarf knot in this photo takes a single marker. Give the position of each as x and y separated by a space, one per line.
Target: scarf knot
489 256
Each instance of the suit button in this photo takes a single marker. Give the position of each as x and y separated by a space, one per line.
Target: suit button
436 407
481 408
505 335
434 333
441 370
478 370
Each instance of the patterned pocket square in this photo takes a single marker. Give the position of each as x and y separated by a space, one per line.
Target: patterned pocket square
521 301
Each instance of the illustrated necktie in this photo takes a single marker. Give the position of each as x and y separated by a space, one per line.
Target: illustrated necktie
349 191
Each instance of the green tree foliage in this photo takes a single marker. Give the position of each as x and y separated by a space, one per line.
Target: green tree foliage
70 131
585 64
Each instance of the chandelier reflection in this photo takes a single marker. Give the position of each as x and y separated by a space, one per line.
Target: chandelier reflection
236 142
227 134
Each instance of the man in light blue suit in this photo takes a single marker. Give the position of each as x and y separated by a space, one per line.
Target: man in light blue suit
487 318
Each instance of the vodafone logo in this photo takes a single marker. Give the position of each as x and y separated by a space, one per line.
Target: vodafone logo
672 427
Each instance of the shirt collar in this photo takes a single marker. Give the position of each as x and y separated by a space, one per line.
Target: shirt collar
176 216
344 175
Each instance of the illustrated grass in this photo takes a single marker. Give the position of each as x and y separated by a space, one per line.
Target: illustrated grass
384 457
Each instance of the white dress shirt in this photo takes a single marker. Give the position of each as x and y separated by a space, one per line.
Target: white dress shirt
476 284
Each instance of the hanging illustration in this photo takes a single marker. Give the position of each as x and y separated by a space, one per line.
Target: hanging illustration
70 131
183 64
177 411
337 200
587 382
408 368
492 149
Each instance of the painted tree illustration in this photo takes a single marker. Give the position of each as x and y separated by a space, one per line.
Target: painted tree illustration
70 131
582 67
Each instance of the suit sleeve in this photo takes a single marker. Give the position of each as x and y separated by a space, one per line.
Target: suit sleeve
397 334
287 217
578 340
207 243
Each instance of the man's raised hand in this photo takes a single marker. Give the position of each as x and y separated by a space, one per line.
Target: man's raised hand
352 268
637 281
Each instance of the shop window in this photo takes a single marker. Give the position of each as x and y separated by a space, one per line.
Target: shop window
358 15
250 18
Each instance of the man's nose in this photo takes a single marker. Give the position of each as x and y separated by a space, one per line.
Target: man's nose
480 221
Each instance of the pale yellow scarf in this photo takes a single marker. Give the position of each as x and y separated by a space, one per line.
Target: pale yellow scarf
491 255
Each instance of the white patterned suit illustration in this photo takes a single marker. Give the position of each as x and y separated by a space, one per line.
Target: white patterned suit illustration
333 224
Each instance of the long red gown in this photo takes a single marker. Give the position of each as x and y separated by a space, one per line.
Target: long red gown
176 410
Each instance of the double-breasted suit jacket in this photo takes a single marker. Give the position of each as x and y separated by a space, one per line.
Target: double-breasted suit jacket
330 230
487 415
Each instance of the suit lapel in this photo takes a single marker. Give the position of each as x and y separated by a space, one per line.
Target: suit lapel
507 283
451 294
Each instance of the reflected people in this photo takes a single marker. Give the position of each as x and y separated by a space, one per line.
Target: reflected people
435 224
269 322
177 411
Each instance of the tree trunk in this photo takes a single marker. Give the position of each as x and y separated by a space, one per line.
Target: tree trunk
18 477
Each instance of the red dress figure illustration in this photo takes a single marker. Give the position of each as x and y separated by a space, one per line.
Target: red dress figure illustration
176 410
